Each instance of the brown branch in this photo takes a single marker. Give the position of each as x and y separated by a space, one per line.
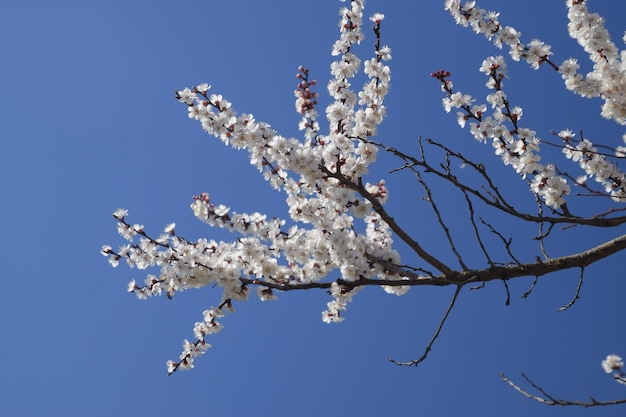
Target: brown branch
539 268
547 399
411 278
378 207
506 272
496 200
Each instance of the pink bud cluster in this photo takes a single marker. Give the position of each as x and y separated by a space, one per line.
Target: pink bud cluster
306 100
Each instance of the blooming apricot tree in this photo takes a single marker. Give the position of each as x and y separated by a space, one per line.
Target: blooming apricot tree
340 237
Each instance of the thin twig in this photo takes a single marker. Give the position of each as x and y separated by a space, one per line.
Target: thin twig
508 293
494 198
550 400
577 295
475 227
416 362
507 243
532 287
440 220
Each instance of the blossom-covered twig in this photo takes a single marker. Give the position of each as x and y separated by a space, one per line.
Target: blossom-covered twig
340 236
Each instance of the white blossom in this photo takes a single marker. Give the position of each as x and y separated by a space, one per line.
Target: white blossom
332 226
612 363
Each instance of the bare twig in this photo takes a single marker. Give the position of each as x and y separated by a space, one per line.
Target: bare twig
440 220
507 242
541 239
599 215
470 207
493 198
416 362
577 295
508 293
547 399
542 236
532 287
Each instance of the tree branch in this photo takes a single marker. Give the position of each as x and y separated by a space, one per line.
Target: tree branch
410 278
496 201
547 399
378 207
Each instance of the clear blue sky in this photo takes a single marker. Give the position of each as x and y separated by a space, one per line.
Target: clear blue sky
89 124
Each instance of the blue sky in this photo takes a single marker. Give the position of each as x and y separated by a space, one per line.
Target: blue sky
89 124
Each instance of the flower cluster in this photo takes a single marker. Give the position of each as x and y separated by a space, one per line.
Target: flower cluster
613 364
322 177
517 146
342 296
306 100
606 80
595 165
336 221
588 29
